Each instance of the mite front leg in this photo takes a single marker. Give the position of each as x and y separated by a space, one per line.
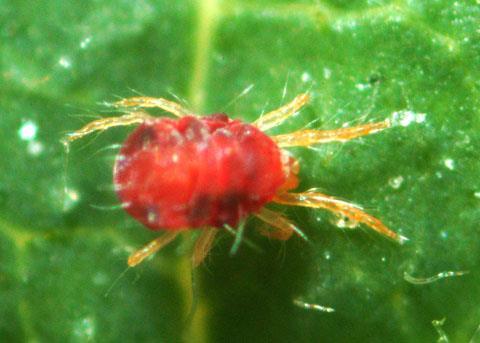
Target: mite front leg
311 137
149 102
151 248
278 116
107 123
339 207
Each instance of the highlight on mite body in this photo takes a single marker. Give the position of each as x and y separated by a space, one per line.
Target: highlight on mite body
210 172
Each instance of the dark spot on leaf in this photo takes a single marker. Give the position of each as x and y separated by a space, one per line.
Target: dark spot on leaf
375 78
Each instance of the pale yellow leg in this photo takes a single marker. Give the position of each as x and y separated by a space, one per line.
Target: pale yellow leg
149 102
312 137
285 228
339 207
107 123
151 248
278 116
203 245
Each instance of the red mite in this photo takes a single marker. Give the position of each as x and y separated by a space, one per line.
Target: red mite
210 172
196 172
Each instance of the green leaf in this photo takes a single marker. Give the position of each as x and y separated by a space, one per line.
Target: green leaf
64 253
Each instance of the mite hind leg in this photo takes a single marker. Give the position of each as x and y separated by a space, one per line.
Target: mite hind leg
284 228
352 212
151 248
149 102
203 245
278 116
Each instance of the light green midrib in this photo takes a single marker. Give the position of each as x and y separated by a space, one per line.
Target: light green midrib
206 25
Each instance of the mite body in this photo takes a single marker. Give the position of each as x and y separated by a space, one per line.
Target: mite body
197 171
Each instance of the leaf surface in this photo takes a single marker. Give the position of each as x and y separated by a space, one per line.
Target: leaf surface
360 61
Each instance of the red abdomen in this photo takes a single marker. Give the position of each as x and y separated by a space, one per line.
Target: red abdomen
196 171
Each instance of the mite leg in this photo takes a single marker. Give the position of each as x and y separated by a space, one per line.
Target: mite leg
238 238
278 116
106 123
203 245
311 137
151 248
284 227
148 102
339 207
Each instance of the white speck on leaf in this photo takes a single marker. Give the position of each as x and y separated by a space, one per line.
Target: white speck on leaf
84 328
35 148
71 198
65 62
327 73
85 42
28 131
406 117
396 182
362 86
449 163
306 77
